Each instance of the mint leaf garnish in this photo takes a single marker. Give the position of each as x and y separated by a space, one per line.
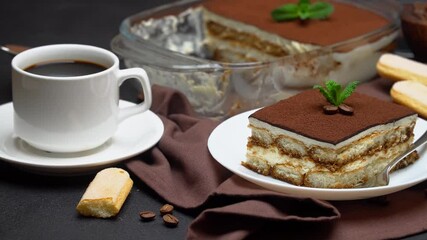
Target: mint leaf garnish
285 12
303 10
320 10
349 89
334 93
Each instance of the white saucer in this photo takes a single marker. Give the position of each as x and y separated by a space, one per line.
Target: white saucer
227 144
134 135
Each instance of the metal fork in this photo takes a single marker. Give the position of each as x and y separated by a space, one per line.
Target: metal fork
383 178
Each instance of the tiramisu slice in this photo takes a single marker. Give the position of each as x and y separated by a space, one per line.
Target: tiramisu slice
295 141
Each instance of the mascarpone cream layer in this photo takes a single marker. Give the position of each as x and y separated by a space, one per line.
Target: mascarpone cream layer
290 46
290 143
304 171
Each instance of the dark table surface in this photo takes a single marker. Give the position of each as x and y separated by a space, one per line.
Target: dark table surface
43 207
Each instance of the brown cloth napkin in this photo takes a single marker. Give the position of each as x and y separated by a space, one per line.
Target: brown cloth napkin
181 170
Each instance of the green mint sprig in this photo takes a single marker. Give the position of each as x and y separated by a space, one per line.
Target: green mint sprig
334 93
303 10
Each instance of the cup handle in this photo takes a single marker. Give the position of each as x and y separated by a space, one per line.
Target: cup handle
141 76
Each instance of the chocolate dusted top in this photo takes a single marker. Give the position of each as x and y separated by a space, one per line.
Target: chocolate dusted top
303 114
346 22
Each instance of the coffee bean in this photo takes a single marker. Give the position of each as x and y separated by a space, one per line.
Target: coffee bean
147 215
345 109
167 208
330 109
170 220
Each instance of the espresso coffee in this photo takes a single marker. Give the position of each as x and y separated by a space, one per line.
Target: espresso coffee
75 113
70 68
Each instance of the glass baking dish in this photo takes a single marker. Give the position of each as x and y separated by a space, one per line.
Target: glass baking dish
219 89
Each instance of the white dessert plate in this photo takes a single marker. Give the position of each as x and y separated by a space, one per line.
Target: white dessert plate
227 144
133 136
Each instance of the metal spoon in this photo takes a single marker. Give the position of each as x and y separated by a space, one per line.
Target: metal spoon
13 48
383 178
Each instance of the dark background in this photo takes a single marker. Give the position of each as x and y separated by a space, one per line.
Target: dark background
43 207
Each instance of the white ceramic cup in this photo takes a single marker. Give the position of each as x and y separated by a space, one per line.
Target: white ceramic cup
71 114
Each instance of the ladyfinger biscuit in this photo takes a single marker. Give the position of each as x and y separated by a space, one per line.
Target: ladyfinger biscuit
412 94
398 68
106 194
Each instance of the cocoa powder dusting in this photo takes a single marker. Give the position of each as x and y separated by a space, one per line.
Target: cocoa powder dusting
303 114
